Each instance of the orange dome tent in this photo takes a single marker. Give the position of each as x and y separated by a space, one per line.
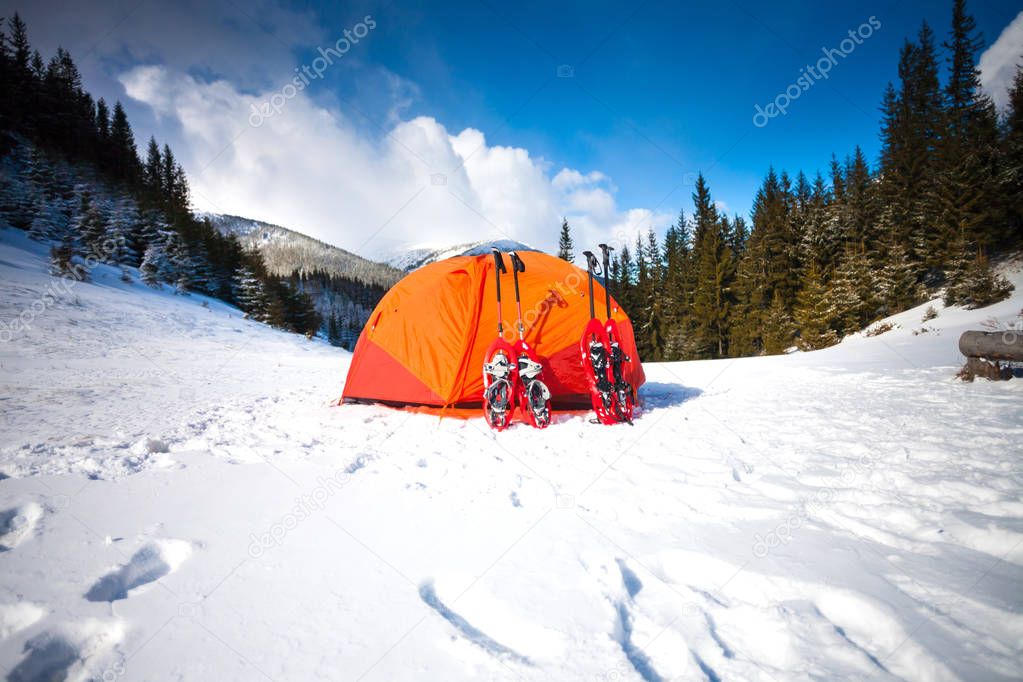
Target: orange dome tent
425 342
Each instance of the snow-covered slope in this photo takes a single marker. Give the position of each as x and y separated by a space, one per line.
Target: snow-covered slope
414 258
182 501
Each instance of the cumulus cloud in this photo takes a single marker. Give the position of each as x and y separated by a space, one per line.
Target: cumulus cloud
311 168
998 63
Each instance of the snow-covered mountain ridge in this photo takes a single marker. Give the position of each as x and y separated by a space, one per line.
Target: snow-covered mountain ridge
413 258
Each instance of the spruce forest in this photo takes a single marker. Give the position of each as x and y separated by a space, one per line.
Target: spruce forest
825 256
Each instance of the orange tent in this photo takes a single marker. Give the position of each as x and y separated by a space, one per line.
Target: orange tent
425 342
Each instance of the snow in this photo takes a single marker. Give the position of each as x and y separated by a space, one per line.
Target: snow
180 499
413 257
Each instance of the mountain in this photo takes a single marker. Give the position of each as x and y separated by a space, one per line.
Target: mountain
343 286
286 252
417 257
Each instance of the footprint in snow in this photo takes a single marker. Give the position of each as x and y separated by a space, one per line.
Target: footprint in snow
17 524
151 562
428 594
70 651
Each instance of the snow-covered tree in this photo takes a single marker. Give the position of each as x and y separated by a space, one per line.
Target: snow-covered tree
18 196
119 242
897 285
973 284
154 264
778 328
90 222
250 293
51 219
179 261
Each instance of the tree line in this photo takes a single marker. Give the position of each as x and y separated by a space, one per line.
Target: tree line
824 257
70 174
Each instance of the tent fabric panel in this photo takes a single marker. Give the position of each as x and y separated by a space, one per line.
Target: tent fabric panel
376 375
422 322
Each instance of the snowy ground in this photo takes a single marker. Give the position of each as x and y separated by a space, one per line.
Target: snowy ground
182 501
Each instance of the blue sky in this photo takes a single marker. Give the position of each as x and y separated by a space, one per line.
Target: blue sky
661 90
470 93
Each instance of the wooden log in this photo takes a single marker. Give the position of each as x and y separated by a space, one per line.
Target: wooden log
1007 345
985 369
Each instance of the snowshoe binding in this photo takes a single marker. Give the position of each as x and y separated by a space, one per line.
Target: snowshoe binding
499 382
534 397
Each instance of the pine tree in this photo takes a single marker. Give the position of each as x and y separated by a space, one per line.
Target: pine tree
897 284
624 283
154 263
103 125
153 169
675 292
852 294
119 242
90 223
912 128
249 289
772 220
123 155
178 270
813 313
51 219
973 284
860 203
333 331
819 244
151 227
779 331
969 156
18 195
21 78
1011 177
715 271
650 327
126 228
565 245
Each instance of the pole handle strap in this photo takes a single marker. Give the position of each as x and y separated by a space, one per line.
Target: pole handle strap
517 264
498 260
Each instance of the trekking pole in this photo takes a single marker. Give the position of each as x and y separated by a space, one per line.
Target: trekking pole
517 267
591 265
498 269
607 276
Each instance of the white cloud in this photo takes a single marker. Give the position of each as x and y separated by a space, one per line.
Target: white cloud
312 169
998 63
569 178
